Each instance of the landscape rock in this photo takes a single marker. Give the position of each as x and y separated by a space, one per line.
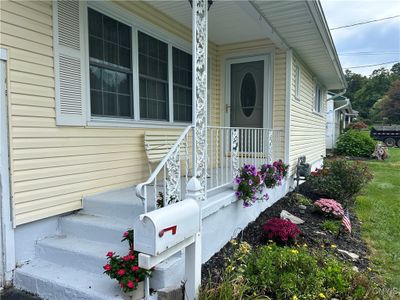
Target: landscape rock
302 207
320 232
288 216
352 255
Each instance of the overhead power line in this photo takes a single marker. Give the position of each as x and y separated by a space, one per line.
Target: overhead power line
365 22
374 65
369 53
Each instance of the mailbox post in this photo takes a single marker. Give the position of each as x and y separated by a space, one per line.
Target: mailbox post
163 232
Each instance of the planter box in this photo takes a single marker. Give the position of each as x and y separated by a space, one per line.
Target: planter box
137 294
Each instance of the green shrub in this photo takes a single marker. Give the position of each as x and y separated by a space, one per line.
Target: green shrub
294 272
273 272
355 143
339 179
331 226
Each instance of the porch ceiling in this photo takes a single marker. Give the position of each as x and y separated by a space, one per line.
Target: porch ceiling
296 24
223 17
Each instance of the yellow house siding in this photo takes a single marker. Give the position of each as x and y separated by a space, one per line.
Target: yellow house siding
307 130
53 167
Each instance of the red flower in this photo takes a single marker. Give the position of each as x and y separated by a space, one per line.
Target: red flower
132 257
121 272
110 254
137 279
126 257
107 267
130 284
126 233
135 268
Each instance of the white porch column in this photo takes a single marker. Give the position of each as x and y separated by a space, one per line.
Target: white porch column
200 49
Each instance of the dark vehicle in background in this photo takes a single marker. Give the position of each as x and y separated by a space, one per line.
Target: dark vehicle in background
390 135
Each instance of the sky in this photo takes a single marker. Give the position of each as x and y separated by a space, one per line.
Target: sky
378 37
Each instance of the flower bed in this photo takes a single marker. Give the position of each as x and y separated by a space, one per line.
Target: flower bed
263 272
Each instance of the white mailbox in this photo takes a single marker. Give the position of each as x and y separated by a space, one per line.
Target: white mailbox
164 228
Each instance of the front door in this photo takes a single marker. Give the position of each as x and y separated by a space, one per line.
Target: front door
247 94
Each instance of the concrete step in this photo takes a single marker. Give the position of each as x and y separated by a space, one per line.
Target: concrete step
78 253
95 228
90 256
57 282
121 203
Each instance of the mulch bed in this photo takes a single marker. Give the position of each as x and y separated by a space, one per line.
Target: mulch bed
312 235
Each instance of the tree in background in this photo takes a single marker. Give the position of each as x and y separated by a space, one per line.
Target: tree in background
390 104
367 94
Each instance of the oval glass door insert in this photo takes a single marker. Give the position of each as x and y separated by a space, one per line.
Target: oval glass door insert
248 94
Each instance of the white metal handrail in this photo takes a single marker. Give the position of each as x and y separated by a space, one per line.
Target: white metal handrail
170 165
231 147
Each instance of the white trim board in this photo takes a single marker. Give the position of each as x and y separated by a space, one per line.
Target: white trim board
7 242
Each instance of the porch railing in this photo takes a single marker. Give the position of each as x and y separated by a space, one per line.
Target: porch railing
229 148
164 185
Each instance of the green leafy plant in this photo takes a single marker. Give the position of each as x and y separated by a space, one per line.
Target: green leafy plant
355 143
125 269
295 273
332 226
338 179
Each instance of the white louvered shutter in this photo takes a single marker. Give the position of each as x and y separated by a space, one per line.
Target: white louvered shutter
69 68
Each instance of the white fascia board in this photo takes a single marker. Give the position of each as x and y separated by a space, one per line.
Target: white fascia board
323 29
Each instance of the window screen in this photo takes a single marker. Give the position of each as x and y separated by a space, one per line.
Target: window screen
153 78
182 73
110 49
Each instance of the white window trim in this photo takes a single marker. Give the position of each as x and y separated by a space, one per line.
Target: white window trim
136 23
297 84
319 113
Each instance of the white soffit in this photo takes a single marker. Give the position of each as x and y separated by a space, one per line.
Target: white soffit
296 25
292 21
227 22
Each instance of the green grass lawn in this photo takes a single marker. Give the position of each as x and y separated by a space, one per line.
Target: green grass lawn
378 208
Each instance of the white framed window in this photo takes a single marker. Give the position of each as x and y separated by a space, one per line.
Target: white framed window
297 81
318 99
163 80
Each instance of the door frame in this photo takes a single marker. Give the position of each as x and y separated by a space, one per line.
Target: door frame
267 58
7 242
